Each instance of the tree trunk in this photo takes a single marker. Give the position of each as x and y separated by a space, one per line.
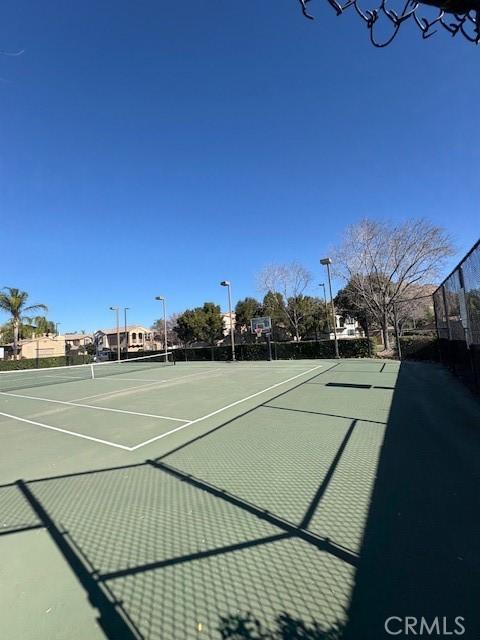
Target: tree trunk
385 336
15 338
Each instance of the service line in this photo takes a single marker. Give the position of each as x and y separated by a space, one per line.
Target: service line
228 406
91 406
70 433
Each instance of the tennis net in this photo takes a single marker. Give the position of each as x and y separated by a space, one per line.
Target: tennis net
30 378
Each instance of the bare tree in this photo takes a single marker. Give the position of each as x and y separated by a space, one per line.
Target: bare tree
384 263
416 311
158 328
290 281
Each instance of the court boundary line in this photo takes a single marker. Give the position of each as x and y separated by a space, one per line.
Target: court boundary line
66 431
91 406
228 406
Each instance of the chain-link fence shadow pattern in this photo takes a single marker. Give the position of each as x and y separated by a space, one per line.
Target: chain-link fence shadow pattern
162 556
257 527
16 514
219 535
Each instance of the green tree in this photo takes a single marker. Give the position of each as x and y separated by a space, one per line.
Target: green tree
204 324
24 331
274 308
90 348
43 326
313 321
290 281
186 328
245 310
349 302
210 323
14 302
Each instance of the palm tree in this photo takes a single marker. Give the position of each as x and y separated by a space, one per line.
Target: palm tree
43 326
13 301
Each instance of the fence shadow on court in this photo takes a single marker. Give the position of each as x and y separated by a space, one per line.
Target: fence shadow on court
193 544
286 627
419 555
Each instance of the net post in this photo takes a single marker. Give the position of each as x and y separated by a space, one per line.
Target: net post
92 371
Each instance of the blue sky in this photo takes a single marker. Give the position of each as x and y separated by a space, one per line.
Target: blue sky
157 148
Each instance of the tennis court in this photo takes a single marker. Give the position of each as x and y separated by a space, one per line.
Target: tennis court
294 499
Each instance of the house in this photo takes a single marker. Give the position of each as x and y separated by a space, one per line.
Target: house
136 337
347 327
41 347
228 320
76 342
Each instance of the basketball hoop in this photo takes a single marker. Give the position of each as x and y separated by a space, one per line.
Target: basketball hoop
258 332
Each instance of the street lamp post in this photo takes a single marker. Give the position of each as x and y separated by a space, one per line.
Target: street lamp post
118 330
327 262
326 307
162 299
56 328
125 309
226 283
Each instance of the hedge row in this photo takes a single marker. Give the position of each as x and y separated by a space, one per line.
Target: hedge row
419 348
42 363
353 348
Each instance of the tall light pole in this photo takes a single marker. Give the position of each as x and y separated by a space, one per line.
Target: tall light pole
162 299
125 309
56 328
118 331
326 307
226 283
327 262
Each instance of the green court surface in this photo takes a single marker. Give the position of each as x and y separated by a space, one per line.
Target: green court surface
305 499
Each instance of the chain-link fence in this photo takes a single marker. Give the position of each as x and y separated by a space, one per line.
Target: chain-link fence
457 315
414 326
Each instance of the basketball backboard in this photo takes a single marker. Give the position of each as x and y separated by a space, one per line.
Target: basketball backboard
261 325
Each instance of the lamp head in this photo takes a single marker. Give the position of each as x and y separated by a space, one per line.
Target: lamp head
225 283
326 261
159 297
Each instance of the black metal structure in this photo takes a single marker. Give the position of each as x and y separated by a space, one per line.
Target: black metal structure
455 16
457 315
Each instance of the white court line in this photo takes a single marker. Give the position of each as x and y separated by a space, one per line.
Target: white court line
91 406
140 386
247 367
119 391
70 433
56 377
228 406
132 379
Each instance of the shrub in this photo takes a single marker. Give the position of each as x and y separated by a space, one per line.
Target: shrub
43 363
352 348
419 348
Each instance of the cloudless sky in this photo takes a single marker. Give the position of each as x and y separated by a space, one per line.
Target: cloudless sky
157 147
